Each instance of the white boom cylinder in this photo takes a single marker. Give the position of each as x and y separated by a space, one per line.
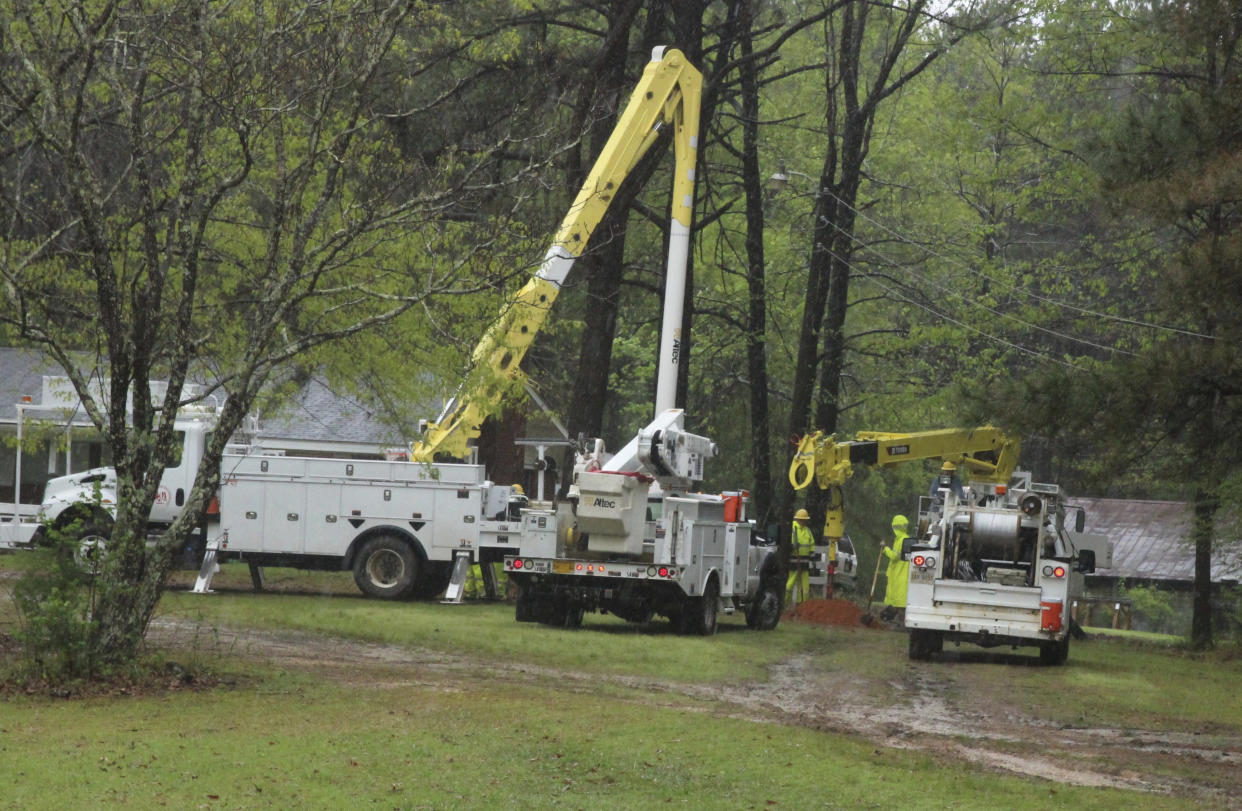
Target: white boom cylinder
674 306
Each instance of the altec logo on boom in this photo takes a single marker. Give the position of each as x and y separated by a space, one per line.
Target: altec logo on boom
605 503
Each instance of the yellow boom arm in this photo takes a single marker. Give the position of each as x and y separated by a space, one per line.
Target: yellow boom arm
668 93
989 454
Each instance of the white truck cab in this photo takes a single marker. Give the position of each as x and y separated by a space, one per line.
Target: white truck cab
73 496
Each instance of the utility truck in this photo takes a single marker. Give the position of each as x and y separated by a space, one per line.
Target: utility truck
633 539
399 526
998 565
635 542
991 564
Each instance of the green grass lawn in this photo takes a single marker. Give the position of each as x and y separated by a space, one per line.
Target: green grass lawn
490 631
293 741
413 735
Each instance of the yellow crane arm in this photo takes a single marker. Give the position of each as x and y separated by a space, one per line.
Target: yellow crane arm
988 453
669 92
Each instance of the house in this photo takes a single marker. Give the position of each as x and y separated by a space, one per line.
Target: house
1151 543
39 407
1152 550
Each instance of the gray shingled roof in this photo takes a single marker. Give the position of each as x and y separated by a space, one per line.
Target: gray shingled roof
21 374
1151 540
317 413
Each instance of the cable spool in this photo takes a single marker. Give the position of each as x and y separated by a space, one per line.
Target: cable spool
995 535
1031 505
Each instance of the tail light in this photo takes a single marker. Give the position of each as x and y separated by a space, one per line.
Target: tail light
1050 615
213 508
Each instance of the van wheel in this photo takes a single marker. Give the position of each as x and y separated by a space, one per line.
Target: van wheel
386 567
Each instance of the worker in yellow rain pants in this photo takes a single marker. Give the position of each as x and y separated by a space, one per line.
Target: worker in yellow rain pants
474 588
798 586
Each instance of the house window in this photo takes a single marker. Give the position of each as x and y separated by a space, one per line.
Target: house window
35 473
85 454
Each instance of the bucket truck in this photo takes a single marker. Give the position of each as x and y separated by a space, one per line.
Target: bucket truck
633 540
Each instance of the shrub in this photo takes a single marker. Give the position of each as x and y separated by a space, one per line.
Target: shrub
55 604
1153 607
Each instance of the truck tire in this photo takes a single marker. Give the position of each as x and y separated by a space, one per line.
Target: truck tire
764 612
698 614
526 607
432 581
1054 653
924 643
386 567
572 615
563 613
90 547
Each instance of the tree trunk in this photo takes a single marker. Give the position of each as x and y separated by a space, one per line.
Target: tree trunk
1206 503
603 268
756 319
603 263
851 102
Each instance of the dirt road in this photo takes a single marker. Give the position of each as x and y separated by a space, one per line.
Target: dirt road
918 706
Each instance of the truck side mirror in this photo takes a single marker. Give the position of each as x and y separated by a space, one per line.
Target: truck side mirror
1080 520
1086 560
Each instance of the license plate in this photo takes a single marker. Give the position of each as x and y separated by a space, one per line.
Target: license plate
562 566
923 577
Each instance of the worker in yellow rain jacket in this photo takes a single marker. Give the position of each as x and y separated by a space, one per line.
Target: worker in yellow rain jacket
898 571
803 545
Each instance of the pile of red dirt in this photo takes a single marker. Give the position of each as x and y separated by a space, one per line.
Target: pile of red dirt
827 612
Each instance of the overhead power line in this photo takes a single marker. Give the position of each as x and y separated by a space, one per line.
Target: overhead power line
946 317
998 313
959 263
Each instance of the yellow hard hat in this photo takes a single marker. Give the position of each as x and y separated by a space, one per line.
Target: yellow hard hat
802 515
517 489
900 521
949 467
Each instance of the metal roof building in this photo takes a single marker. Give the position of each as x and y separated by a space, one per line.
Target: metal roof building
1151 541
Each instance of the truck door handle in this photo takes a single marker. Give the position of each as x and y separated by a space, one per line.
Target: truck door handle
180 497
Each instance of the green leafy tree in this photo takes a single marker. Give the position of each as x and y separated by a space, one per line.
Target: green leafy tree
195 189
1169 178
